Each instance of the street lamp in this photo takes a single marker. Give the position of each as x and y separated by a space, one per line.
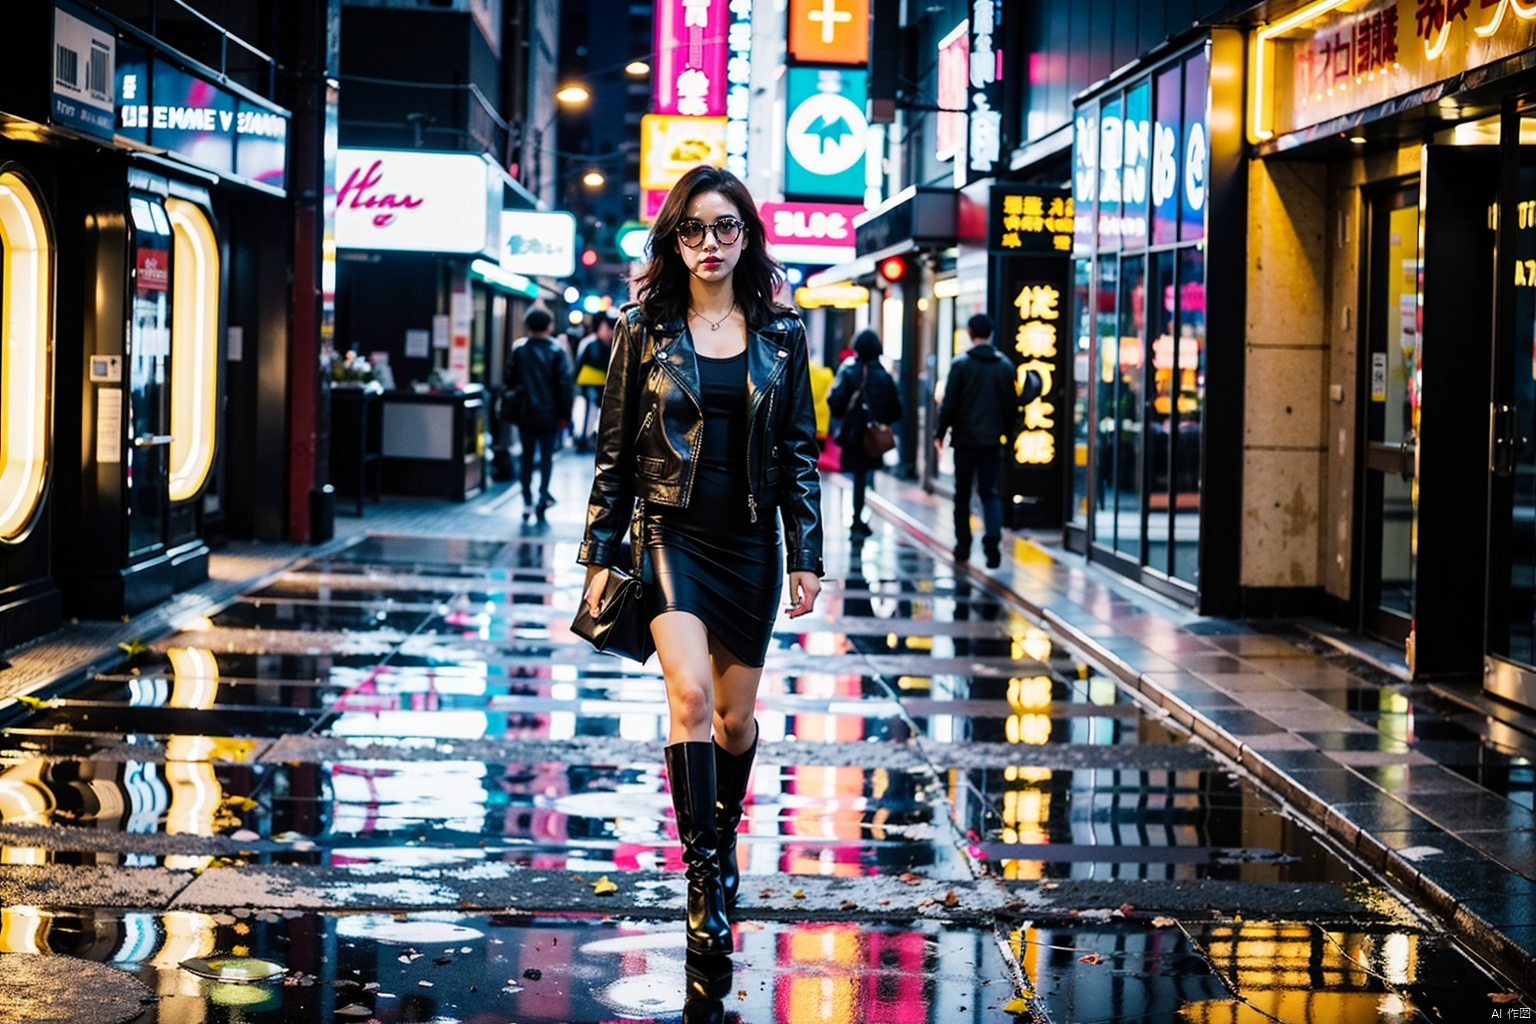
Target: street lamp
594 179
573 95
637 68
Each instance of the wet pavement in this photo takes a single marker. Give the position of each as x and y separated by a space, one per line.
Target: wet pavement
390 771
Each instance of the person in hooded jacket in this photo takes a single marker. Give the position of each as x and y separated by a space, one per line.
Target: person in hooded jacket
864 393
539 374
978 411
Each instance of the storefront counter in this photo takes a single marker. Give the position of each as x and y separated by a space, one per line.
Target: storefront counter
433 443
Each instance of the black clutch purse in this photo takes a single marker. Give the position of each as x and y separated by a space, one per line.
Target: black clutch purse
622 626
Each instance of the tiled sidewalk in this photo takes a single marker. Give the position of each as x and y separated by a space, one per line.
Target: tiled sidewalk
1406 780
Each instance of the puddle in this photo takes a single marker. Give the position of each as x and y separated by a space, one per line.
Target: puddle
915 724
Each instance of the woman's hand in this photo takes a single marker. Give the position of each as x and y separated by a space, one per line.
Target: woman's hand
803 588
597 582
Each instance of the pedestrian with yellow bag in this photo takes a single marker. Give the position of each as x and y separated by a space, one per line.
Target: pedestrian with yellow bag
591 375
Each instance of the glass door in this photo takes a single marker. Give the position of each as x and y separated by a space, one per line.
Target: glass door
1512 561
1390 403
149 351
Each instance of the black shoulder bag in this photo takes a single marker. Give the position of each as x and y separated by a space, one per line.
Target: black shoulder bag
621 625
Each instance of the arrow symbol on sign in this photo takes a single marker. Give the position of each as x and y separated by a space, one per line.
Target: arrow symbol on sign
833 131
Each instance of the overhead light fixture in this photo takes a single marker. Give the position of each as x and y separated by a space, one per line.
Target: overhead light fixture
1358 140
638 68
594 179
572 94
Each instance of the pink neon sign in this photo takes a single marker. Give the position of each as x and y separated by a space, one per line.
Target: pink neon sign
691 52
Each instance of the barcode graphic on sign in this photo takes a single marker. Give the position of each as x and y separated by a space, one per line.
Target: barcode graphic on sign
96 72
67 69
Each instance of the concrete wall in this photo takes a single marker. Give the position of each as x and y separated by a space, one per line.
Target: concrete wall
1287 369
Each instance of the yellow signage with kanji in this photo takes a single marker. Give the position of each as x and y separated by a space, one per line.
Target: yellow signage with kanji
1025 220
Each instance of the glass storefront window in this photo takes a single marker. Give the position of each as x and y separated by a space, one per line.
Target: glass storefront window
1082 383
1139 176
194 347
26 353
1188 404
1128 368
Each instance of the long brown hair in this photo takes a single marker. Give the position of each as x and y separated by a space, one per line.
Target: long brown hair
662 287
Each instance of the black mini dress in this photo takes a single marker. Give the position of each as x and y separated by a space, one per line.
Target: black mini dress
710 559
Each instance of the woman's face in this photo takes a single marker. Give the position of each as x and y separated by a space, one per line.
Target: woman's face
711 260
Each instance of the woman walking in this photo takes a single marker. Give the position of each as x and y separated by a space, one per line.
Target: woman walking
707 419
864 393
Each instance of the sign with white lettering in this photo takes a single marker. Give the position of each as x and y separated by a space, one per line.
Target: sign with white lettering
538 244
984 68
738 90
416 201
1140 161
810 232
158 105
690 73
84 51
826 133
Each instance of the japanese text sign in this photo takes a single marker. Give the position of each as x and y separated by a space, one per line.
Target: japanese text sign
1355 55
984 65
1032 329
1022 219
829 31
689 76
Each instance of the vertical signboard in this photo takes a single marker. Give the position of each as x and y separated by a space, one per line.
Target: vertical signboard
1029 234
691 55
738 90
985 92
84 78
829 31
826 134
951 82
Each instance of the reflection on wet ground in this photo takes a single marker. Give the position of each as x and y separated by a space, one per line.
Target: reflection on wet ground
420 702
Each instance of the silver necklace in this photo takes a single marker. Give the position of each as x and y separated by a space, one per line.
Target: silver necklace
714 325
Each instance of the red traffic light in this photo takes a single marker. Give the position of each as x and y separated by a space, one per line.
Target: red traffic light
893 269
589 258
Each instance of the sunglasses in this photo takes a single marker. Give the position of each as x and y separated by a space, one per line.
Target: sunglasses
727 230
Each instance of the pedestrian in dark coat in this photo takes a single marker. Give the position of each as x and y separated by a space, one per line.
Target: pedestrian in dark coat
978 412
538 379
864 393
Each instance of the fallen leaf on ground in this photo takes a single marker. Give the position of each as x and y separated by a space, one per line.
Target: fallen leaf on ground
1126 910
604 887
353 1010
1016 1005
766 893
910 877
1164 922
1504 997
850 905
798 894
950 899
1090 958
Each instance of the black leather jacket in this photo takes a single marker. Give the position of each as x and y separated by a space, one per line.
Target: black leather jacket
651 430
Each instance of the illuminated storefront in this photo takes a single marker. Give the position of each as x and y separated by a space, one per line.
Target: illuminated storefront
1406 128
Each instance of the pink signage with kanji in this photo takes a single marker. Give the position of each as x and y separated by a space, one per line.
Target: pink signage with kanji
692 38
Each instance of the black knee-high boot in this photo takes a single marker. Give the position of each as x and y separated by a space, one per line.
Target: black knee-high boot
691 769
732 772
